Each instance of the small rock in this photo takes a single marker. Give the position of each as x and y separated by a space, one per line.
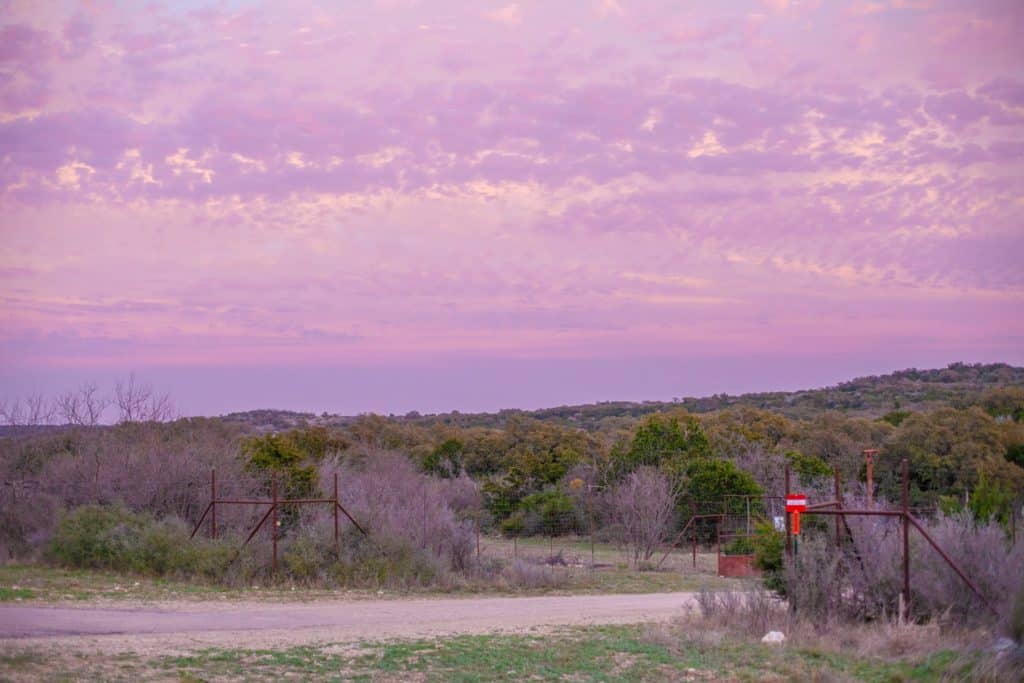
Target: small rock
774 637
1004 645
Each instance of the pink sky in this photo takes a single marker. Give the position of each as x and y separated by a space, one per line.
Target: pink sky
429 205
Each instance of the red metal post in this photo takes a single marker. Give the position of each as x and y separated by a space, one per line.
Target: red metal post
789 538
202 517
213 503
869 460
906 540
693 521
273 525
839 503
718 543
335 507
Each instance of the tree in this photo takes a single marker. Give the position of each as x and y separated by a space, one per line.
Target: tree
137 402
33 411
663 441
445 460
947 450
808 467
642 510
84 407
714 479
278 455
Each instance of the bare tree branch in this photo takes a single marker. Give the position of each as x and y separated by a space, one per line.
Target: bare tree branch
83 407
643 509
137 402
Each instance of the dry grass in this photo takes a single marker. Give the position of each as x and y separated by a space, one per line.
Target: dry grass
966 652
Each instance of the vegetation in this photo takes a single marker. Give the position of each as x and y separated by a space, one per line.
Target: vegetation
424 485
713 647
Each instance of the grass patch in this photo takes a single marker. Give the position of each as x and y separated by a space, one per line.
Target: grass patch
8 594
43 583
604 653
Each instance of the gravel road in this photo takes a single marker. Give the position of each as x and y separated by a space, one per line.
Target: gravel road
263 625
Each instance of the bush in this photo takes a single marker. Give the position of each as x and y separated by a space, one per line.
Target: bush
513 526
112 537
864 579
95 537
400 505
523 574
768 556
740 545
1015 620
549 512
642 510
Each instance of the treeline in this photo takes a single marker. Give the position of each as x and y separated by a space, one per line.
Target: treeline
529 472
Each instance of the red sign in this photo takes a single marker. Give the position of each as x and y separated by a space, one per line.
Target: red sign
796 502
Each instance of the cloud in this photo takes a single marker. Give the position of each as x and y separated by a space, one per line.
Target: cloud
369 180
510 15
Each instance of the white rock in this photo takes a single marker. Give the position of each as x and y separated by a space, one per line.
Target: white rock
1004 645
774 637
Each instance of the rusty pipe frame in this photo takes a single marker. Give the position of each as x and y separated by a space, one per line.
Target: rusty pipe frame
952 564
689 523
200 522
917 525
280 501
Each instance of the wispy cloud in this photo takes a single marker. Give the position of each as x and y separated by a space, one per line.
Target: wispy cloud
586 177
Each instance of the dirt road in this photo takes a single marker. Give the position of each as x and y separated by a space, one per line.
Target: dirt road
262 625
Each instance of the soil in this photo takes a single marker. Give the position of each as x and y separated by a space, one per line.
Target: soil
169 628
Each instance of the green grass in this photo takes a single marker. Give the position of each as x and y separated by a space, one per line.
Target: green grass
14 593
606 653
43 583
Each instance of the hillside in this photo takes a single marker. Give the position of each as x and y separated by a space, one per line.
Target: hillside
957 385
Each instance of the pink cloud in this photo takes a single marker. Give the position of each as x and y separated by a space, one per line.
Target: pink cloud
380 181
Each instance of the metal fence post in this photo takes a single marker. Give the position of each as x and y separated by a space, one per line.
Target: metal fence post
693 521
869 465
590 515
337 547
906 540
789 538
213 503
273 521
839 502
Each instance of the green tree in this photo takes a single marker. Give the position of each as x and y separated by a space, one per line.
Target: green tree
667 442
714 478
445 460
279 455
946 451
808 467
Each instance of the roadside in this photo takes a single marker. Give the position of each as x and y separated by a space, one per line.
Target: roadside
638 652
42 584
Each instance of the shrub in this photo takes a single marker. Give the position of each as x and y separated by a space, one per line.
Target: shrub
95 537
548 512
25 524
400 505
1015 621
740 545
513 526
112 537
642 509
864 579
523 574
750 612
768 556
